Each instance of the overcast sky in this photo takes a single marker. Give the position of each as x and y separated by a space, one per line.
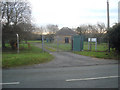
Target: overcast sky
73 13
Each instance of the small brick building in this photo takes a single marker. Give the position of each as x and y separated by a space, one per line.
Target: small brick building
64 35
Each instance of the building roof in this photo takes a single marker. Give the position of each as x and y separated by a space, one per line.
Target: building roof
66 31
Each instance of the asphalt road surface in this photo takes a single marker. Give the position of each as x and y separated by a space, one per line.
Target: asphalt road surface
96 76
67 70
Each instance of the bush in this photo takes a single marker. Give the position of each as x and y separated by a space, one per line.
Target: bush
114 37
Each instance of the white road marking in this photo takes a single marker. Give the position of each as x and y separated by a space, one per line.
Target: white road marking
10 83
69 80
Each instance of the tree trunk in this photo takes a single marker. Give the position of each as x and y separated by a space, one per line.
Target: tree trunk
26 41
3 44
12 44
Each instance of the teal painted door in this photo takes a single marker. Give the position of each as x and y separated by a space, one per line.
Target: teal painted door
77 43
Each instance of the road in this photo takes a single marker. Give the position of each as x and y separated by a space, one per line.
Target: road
57 77
67 70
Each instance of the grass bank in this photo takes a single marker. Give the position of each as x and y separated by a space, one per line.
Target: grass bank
27 56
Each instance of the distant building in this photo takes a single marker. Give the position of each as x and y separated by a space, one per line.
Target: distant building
64 35
119 12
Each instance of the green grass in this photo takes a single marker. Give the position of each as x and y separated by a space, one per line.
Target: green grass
34 41
64 47
27 56
103 55
100 47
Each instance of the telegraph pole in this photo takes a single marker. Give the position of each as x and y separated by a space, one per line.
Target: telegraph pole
108 24
119 12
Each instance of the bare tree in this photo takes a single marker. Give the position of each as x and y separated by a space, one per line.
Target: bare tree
82 29
101 32
13 14
52 29
25 30
101 27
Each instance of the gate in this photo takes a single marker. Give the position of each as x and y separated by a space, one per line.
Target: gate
77 43
74 43
58 44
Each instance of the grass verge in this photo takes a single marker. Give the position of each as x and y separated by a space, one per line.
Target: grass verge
103 55
51 49
27 56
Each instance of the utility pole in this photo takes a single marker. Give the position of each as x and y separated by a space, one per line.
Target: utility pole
119 12
108 24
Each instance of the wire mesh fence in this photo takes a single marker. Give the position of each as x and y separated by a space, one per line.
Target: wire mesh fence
59 46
